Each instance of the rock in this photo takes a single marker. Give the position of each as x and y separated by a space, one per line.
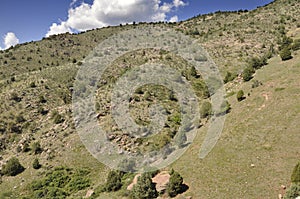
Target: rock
280 196
89 193
252 165
283 187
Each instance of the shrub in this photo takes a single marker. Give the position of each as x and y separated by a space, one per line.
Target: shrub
296 45
57 118
14 96
175 185
36 164
229 77
36 148
247 73
240 95
285 54
206 110
42 99
224 108
12 167
256 84
145 188
296 174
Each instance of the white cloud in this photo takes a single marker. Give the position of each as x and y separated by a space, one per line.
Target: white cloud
113 12
174 19
10 39
178 3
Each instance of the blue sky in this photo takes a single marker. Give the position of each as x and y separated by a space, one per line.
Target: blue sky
27 20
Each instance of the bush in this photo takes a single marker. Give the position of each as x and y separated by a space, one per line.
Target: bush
296 45
285 54
296 174
206 110
145 188
12 167
229 77
57 118
225 108
247 73
36 148
60 183
175 185
240 95
36 164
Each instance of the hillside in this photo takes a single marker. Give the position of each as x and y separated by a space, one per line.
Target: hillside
255 155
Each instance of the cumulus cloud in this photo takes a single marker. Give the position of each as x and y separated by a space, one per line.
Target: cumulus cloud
174 19
113 12
10 39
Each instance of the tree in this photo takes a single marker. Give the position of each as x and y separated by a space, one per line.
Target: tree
175 185
145 188
285 54
206 110
12 167
240 95
114 181
36 164
296 174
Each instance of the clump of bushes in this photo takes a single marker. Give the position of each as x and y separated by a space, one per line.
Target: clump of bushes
57 118
60 183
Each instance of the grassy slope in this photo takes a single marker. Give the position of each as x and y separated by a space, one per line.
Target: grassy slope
257 131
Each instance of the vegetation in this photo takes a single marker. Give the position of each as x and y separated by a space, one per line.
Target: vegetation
285 54
206 110
60 183
13 167
240 95
296 174
113 181
175 185
145 188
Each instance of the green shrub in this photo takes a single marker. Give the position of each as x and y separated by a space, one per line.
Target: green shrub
224 108
240 95
296 174
57 118
296 45
36 148
229 77
36 164
60 183
12 167
285 54
206 110
247 73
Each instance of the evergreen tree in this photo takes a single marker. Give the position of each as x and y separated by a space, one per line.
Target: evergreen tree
145 188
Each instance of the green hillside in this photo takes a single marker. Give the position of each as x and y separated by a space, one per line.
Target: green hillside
258 148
